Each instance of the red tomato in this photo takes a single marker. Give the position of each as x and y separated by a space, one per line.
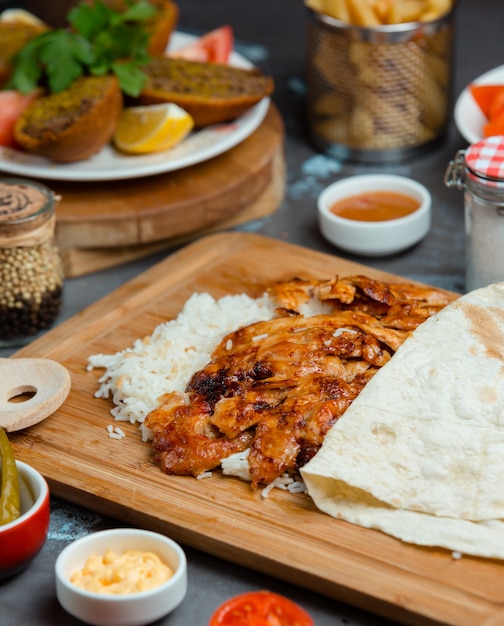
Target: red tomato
12 104
215 46
260 608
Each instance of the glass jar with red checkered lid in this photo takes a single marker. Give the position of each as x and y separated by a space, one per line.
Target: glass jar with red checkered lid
479 171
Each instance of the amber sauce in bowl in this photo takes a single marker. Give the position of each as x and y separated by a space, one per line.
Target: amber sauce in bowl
375 206
374 214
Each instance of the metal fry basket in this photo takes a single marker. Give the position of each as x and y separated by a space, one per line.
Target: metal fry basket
378 94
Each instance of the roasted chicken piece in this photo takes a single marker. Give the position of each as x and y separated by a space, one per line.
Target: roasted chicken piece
188 441
362 293
276 387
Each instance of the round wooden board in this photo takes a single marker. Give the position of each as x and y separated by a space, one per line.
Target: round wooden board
154 208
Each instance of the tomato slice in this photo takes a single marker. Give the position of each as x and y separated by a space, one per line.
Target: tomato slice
215 47
12 104
260 608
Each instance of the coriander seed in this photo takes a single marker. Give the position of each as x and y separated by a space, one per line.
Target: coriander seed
31 272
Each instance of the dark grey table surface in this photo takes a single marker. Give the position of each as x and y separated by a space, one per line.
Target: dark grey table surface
271 33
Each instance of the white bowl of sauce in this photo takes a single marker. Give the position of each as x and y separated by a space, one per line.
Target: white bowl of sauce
121 577
374 214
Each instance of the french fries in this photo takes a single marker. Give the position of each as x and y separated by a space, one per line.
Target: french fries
372 13
372 95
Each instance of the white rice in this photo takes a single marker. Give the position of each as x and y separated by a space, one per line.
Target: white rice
285 482
115 433
237 465
203 475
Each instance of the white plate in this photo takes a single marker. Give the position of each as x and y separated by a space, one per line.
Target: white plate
109 164
468 116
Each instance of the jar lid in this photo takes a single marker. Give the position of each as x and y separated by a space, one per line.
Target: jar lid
486 158
22 199
27 214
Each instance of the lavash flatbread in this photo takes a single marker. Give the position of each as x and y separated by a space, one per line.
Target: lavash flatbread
420 452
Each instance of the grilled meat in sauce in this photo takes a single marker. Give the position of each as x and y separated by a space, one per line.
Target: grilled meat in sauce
278 386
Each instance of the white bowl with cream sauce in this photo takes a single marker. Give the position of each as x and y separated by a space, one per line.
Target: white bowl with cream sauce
131 608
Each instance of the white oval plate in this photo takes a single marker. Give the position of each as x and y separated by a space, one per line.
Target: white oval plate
110 164
468 116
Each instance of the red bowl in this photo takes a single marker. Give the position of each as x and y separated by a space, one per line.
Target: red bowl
22 539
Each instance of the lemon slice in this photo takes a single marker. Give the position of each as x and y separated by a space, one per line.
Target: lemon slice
20 16
153 128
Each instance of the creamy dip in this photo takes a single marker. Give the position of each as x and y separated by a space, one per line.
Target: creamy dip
132 571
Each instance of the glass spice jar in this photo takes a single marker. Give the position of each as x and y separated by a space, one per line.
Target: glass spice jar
479 172
31 272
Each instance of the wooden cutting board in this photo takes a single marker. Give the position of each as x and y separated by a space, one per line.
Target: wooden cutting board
282 535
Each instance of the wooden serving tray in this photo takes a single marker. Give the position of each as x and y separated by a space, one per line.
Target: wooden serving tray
114 214
81 261
105 224
283 534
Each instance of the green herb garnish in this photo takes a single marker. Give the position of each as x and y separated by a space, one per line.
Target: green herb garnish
101 41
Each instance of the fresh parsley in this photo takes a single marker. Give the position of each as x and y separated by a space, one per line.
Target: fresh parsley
100 41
